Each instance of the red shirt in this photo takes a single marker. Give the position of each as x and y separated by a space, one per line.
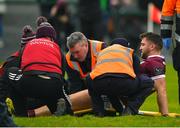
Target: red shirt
42 50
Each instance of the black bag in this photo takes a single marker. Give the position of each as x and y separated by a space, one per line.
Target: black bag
176 58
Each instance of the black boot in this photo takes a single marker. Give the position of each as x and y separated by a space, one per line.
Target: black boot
63 108
127 112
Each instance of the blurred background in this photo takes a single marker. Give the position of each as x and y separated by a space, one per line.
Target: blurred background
98 19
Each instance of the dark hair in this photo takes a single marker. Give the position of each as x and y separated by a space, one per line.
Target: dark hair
40 20
27 34
154 38
121 41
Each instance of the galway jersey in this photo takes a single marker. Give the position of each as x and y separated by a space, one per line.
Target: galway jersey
154 66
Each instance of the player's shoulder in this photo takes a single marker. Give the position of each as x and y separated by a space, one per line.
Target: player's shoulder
153 62
156 59
154 66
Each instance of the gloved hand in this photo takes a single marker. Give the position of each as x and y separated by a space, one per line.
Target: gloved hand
167 43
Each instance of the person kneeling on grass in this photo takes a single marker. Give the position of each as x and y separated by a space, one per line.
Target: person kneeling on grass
119 81
42 74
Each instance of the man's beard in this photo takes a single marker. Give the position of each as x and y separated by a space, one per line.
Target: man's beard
143 56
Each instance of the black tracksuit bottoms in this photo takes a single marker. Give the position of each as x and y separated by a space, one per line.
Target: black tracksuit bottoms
136 89
46 90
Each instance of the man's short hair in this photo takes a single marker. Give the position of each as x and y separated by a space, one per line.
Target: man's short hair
74 38
154 38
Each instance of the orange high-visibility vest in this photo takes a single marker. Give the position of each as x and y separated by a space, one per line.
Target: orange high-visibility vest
95 47
114 59
170 7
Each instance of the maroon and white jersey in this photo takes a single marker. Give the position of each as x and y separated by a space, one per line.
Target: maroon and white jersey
154 66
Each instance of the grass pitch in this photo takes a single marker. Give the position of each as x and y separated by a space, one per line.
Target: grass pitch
128 121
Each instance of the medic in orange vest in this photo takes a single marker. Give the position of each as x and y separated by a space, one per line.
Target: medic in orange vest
81 59
114 75
171 11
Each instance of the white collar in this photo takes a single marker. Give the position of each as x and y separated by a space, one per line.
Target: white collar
156 56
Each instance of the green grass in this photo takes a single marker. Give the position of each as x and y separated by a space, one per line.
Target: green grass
89 120
138 121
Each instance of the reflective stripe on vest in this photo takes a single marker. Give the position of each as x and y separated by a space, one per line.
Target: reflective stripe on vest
178 15
177 37
74 65
126 53
166 27
167 18
114 59
95 47
118 51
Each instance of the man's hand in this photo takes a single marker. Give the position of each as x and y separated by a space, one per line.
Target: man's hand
167 43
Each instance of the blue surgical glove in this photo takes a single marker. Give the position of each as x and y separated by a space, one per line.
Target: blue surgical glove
167 43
